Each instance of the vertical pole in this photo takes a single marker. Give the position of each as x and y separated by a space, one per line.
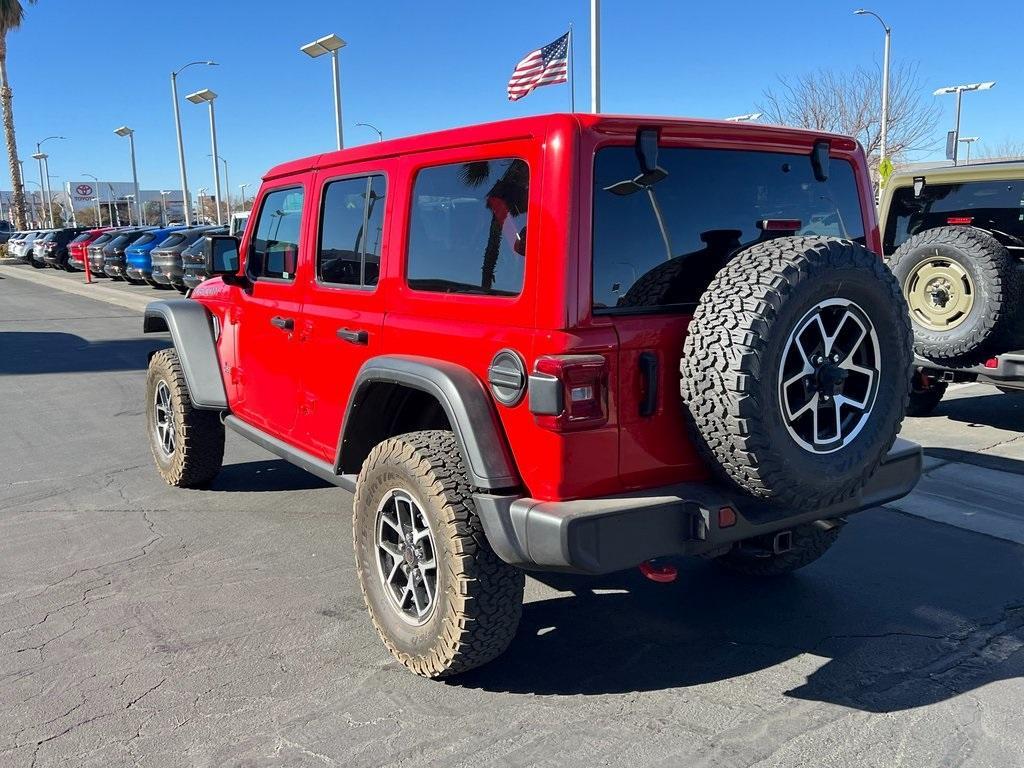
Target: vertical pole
42 192
956 131
99 211
337 99
135 179
885 94
595 56
71 203
227 188
49 193
572 73
216 165
181 149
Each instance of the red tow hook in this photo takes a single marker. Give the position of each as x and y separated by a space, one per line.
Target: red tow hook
661 573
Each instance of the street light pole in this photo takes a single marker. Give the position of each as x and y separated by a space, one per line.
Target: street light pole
595 56
884 131
968 140
959 90
242 187
181 143
46 177
163 206
208 96
227 185
330 44
38 157
123 131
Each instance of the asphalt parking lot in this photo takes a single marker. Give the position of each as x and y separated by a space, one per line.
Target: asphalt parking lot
145 625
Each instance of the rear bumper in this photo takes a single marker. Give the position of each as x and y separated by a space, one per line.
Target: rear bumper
1009 369
615 532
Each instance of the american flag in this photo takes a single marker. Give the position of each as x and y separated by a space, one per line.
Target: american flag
544 66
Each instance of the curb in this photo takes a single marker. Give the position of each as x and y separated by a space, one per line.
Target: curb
89 291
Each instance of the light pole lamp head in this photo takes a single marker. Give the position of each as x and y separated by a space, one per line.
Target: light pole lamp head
744 118
123 131
40 156
326 44
967 87
205 95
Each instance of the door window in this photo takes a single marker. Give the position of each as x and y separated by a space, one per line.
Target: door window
351 230
274 251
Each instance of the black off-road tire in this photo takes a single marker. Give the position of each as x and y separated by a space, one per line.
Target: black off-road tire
199 435
731 368
993 321
810 542
479 597
925 395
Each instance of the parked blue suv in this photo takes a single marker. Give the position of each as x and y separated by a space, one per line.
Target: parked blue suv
139 264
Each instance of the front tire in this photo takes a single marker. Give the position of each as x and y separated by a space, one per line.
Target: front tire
439 597
187 443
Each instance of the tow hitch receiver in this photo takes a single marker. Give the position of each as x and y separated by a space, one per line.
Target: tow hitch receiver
659 572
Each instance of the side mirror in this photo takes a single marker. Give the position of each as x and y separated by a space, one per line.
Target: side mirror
221 252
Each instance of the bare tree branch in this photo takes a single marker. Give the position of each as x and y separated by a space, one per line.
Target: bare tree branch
850 103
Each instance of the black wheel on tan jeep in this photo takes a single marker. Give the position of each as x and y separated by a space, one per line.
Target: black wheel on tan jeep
187 443
964 290
440 598
925 394
796 369
807 543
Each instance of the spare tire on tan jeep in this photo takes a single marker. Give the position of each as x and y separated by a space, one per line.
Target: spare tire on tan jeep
964 291
796 369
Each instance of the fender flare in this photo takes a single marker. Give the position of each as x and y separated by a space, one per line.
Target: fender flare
192 331
465 402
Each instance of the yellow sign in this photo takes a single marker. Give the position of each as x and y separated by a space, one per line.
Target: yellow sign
885 169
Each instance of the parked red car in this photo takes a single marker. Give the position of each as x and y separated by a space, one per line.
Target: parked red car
567 342
76 248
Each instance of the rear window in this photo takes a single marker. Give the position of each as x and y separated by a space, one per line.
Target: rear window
467 228
997 205
102 239
658 249
172 240
145 239
81 238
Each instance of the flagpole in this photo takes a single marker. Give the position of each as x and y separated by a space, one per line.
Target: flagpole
572 73
595 56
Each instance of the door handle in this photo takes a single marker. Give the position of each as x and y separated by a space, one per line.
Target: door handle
284 323
353 337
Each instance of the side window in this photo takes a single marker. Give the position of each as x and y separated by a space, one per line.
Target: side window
351 230
467 228
274 251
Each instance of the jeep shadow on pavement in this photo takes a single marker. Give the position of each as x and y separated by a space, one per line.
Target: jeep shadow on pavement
568 343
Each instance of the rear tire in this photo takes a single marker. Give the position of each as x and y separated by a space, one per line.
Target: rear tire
187 443
810 542
477 598
964 290
793 336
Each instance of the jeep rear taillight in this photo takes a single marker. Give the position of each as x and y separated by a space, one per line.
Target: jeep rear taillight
570 392
959 220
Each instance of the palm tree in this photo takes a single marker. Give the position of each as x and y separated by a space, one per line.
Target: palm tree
12 12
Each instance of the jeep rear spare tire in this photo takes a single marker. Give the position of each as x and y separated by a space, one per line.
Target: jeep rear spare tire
963 288
796 370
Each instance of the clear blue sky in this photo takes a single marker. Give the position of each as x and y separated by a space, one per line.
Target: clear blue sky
82 69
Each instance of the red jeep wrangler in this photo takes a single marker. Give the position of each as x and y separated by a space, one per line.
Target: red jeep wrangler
569 342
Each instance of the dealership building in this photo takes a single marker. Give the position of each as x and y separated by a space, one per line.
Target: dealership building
114 199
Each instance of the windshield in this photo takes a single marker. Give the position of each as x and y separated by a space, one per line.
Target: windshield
660 246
